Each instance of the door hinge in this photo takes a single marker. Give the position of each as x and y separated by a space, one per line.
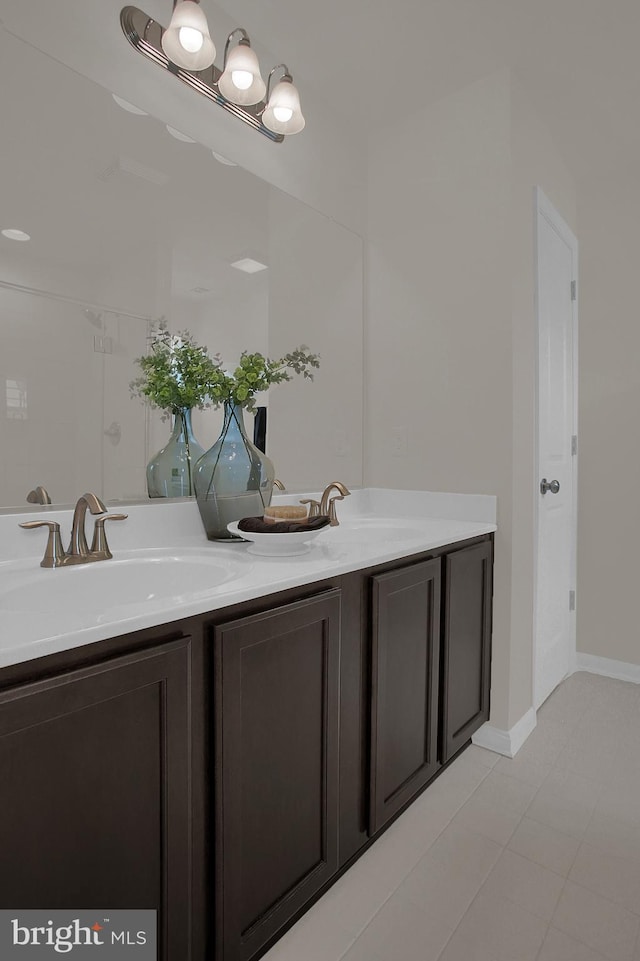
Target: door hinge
572 600
574 290
574 445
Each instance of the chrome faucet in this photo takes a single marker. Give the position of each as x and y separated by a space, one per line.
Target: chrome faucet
328 504
78 553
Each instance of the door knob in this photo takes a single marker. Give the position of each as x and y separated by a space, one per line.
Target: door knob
553 486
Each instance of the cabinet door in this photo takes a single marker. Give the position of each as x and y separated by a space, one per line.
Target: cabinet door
94 791
276 768
467 645
404 706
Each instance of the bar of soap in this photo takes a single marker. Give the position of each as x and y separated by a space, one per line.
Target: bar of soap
287 512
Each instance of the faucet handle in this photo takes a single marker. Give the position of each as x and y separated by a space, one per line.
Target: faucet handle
333 517
54 554
99 544
314 507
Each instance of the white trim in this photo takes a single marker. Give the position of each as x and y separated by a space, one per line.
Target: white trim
607 667
556 220
506 742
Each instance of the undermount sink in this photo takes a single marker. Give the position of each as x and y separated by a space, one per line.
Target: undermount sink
147 578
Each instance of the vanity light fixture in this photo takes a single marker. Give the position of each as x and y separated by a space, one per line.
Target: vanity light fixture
186 50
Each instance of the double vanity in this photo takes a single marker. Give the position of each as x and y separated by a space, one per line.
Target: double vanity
216 735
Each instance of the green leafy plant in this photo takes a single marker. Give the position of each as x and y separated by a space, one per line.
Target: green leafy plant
177 372
256 373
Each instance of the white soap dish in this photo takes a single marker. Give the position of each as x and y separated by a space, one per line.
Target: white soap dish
276 545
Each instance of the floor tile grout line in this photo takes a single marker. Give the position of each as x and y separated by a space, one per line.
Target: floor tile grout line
576 937
508 899
564 877
602 897
457 926
546 934
544 941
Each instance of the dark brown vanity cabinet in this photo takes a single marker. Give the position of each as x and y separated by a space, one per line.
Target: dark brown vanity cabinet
243 757
276 773
95 790
405 658
466 644
427 642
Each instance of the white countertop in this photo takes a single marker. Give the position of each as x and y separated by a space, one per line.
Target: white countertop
163 565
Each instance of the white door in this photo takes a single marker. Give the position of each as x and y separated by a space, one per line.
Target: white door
556 308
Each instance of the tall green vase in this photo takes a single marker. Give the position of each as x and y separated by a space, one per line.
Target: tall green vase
233 479
170 471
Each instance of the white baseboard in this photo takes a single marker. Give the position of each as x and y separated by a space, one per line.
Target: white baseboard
608 667
506 742
509 742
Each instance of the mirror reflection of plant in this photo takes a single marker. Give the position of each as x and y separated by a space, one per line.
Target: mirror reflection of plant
177 372
256 373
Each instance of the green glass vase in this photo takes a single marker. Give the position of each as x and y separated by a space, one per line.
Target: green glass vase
170 471
233 479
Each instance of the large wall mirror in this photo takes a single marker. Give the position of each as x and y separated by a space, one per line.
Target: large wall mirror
130 224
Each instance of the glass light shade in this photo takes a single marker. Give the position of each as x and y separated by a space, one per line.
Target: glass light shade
187 41
241 81
283 113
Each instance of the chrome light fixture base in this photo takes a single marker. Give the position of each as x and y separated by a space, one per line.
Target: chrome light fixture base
145 34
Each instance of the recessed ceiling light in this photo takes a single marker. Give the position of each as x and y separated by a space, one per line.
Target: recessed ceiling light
129 107
249 265
12 234
223 160
179 135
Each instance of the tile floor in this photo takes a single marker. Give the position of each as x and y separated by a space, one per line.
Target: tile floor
531 859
